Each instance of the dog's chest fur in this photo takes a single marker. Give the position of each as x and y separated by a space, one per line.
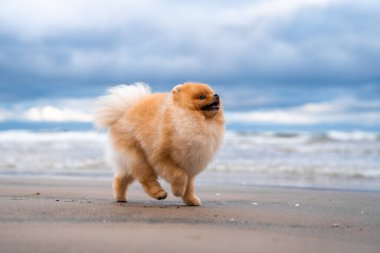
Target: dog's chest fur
196 139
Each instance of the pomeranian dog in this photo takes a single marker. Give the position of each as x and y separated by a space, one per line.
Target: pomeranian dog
172 135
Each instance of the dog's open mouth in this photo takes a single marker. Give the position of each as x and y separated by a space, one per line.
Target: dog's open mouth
211 107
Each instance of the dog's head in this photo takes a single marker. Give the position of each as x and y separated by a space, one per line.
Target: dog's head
197 97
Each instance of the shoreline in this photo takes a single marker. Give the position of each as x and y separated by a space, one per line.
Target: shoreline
205 178
64 215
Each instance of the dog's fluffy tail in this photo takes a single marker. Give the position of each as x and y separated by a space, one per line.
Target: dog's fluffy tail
118 99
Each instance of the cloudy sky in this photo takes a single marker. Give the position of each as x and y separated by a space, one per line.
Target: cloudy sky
277 63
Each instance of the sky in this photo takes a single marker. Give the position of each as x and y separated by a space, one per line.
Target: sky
278 64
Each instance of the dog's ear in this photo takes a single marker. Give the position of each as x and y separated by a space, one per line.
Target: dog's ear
177 89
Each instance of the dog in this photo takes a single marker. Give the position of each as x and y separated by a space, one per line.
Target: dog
172 135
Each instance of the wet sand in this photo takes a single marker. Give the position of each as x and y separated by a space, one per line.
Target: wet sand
77 215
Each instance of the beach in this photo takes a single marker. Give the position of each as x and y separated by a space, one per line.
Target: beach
271 109
79 215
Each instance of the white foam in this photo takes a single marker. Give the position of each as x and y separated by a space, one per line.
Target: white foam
337 157
27 136
353 136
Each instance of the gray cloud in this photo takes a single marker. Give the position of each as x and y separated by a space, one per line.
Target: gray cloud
61 48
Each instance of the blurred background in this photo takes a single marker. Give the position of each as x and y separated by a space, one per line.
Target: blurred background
300 82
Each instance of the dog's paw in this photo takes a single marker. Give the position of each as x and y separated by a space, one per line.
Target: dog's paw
192 200
161 194
120 197
155 191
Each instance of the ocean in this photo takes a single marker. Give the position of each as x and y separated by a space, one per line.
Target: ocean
331 160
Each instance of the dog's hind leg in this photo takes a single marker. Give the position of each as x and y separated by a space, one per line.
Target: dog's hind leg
141 170
120 185
170 171
131 160
122 176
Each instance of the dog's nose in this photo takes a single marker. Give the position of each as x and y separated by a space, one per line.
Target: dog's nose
216 96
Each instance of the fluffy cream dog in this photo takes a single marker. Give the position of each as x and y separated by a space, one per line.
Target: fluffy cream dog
172 135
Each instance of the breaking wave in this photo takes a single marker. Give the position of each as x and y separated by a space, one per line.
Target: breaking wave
343 157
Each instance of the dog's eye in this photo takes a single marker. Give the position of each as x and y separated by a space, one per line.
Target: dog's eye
201 97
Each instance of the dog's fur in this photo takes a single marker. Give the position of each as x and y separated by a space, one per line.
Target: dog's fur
172 135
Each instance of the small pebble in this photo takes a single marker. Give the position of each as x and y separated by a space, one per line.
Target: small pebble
232 219
217 194
335 225
255 203
362 212
57 200
297 205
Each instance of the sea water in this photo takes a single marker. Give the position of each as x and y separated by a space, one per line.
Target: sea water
344 160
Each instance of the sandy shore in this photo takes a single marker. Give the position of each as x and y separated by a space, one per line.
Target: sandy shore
56 215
